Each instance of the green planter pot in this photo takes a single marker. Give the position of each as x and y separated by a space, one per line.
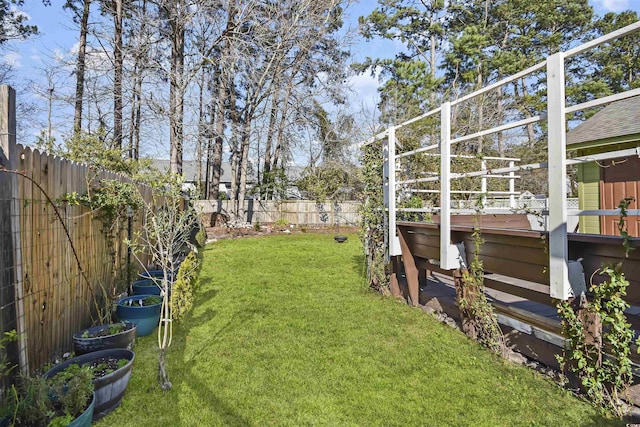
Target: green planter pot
84 420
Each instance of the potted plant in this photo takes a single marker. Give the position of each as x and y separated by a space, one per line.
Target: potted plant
114 335
147 286
110 370
157 274
143 310
63 399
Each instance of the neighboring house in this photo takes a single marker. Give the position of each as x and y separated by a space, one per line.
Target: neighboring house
603 184
190 172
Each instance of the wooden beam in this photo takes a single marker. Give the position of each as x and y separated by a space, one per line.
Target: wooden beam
410 269
393 280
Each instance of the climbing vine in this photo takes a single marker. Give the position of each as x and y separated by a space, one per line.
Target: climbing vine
373 218
112 201
597 324
479 321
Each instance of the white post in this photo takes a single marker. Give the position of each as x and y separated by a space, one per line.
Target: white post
557 154
448 252
394 241
512 186
389 182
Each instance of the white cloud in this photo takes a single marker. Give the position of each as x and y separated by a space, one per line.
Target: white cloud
13 59
365 88
613 5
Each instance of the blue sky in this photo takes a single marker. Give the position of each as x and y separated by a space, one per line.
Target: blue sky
59 36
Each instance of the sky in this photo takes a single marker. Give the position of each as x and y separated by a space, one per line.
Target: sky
59 37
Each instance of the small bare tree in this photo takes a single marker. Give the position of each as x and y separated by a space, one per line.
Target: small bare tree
168 223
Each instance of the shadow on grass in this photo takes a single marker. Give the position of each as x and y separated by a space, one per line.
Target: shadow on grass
204 281
205 296
204 385
199 389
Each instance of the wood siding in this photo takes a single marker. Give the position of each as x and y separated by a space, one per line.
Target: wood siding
589 196
620 179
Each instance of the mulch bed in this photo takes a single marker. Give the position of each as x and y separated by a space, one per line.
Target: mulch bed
218 233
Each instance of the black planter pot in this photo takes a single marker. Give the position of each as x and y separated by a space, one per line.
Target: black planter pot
124 339
340 239
108 389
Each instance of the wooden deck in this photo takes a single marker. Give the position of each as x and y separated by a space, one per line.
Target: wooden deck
516 279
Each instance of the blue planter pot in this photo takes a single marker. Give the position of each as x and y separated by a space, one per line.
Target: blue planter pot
146 287
145 317
124 339
108 389
156 274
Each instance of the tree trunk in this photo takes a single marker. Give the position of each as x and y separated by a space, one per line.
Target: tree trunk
176 88
530 130
243 168
235 126
480 106
117 77
80 67
266 178
216 159
136 96
202 129
280 143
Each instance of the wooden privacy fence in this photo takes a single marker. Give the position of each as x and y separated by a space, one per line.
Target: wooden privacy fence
47 290
296 212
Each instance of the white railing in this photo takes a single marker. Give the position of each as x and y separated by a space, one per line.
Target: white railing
557 207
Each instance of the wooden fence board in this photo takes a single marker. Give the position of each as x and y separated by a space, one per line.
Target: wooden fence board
58 301
296 212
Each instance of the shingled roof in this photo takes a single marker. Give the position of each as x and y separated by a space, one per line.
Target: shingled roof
619 119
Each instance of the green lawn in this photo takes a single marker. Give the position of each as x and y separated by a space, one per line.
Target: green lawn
284 333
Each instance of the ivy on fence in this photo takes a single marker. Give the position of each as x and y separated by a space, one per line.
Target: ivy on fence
373 218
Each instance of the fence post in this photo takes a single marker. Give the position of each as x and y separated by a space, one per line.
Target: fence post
512 186
448 252
557 175
389 156
11 298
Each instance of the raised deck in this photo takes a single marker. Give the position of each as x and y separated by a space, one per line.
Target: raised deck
516 279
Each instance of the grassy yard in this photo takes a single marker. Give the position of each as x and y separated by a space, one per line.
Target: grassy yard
284 333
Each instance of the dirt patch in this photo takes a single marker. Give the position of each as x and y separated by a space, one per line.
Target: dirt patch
218 233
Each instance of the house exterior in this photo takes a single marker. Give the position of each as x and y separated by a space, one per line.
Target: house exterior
191 174
602 185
